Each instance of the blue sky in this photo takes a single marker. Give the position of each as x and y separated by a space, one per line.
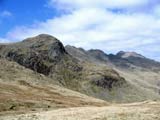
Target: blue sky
110 25
23 13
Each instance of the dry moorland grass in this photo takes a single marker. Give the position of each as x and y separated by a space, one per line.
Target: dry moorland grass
22 90
22 98
136 111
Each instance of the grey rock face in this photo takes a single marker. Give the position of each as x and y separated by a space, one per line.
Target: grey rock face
40 53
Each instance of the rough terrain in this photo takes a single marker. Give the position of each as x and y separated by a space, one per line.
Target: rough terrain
136 111
22 90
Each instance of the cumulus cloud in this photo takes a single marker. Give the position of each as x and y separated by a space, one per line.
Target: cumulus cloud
110 25
129 5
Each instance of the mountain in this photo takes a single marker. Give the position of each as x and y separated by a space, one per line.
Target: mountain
41 54
40 74
114 78
123 54
95 56
139 60
121 59
46 55
141 73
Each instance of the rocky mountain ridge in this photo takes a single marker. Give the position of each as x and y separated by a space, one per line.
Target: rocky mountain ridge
121 59
90 72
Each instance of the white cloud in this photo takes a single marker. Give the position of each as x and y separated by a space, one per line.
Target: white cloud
91 25
63 4
5 13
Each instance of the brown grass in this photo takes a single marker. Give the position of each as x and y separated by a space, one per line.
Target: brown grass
27 97
136 111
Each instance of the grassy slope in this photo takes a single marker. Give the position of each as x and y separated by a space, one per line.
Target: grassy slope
20 93
145 81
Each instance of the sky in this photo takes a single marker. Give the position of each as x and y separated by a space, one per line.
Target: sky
109 25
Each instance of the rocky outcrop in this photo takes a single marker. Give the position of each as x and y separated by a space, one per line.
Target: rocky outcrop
109 82
43 54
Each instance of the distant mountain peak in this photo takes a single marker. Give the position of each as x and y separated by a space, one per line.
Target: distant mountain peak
123 54
96 51
98 54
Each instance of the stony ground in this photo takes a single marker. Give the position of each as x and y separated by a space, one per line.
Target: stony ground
136 111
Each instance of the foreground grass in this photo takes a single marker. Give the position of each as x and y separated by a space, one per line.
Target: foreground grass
136 111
